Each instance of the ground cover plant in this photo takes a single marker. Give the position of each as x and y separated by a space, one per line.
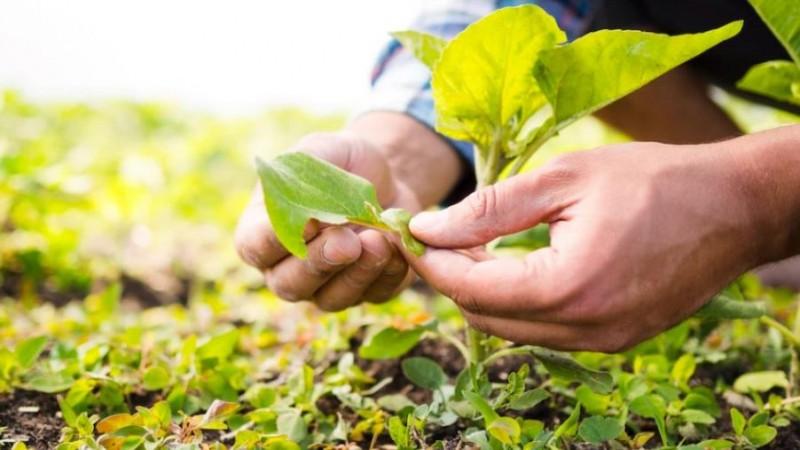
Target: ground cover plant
94 356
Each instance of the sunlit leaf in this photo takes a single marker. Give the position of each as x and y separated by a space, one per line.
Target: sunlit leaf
778 80
155 378
390 343
425 47
505 430
28 351
783 18
761 381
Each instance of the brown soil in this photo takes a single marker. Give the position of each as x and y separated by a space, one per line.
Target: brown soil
39 430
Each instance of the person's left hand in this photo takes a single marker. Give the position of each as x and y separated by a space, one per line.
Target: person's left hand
641 236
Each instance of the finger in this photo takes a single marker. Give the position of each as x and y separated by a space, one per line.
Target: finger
551 335
254 239
347 287
296 279
506 287
394 278
507 207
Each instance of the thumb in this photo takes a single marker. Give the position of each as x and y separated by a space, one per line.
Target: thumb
512 205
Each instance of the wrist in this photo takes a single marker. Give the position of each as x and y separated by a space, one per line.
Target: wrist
420 160
767 177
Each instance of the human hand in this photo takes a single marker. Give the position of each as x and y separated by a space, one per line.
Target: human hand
345 265
641 236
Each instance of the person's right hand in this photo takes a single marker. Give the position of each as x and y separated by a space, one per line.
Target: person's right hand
345 265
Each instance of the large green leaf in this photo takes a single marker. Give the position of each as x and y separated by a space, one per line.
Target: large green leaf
783 18
779 80
722 307
425 47
482 86
299 187
391 343
424 372
560 365
583 76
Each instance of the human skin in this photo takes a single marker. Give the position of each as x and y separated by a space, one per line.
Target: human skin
414 168
642 234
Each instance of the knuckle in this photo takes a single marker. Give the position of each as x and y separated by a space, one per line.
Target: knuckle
483 203
283 289
564 167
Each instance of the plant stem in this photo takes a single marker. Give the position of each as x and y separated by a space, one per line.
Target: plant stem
510 351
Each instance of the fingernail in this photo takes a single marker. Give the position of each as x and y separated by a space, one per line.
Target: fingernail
426 222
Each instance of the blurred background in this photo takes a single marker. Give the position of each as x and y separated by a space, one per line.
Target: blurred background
128 131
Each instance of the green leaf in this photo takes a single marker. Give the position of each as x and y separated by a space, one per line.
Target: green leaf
712 444
783 18
697 416
505 430
299 187
722 307
482 88
531 239
778 80
292 425
50 383
391 343
761 381
563 366
737 421
601 67
761 435
424 372
528 399
683 369
155 378
597 429
220 346
398 432
425 47
570 426
397 219
28 351
482 406
652 406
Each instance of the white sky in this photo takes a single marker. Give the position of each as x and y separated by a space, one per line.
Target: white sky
233 56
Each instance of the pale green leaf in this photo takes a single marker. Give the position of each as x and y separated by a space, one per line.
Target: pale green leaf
761 435
299 187
390 343
425 47
292 425
569 427
49 383
653 407
424 372
778 80
28 351
482 87
583 76
722 307
505 430
481 405
683 369
561 365
737 421
697 416
783 18
528 399
220 346
155 378
761 381
597 429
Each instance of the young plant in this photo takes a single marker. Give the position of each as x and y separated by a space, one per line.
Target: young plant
779 80
507 83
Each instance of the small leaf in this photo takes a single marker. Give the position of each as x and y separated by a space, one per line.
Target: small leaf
218 410
715 444
722 307
398 219
774 79
291 424
299 187
50 383
505 430
390 343
397 431
683 369
761 381
220 346
597 429
425 47
28 351
482 406
652 406
697 416
563 366
113 423
155 378
424 372
761 435
528 399
570 426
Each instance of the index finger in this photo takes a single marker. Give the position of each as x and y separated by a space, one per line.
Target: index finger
503 287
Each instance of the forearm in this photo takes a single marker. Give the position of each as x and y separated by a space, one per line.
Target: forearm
418 157
673 109
769 164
